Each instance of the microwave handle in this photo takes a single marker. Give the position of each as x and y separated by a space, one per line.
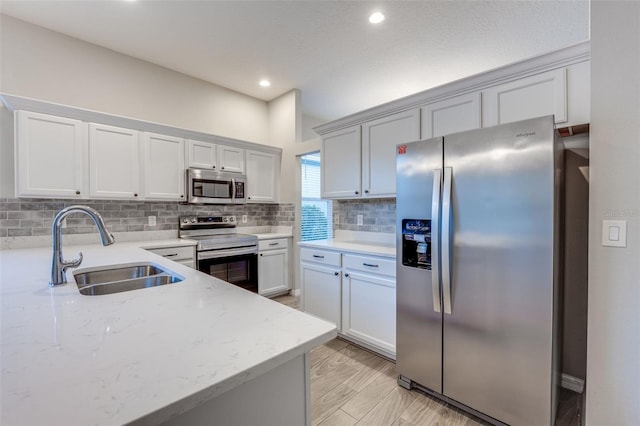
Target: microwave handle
233 190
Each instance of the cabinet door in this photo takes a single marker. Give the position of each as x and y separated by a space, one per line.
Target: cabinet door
340 165
262 170
379 140
273 272
230 159
164 167
369 310
451 116
530 97
321 292
201 154
114 170
50 153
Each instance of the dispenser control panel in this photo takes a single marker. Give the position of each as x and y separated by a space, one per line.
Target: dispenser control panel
416 243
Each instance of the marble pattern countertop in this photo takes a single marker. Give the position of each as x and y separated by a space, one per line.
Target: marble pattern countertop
360 247
144 355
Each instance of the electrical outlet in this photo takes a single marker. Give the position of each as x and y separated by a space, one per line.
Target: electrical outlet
152 221
244 218
360 219
336 220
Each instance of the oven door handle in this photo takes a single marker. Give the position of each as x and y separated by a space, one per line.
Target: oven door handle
215 254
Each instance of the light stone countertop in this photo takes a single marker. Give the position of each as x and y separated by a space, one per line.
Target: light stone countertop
360 247
272 235
144 355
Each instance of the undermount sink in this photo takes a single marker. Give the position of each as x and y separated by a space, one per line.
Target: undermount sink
119 278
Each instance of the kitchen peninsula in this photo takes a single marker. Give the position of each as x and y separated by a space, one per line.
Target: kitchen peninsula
179 353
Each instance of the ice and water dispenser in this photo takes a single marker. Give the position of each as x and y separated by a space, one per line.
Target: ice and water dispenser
416 243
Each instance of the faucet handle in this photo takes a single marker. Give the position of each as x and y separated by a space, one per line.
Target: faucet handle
73 263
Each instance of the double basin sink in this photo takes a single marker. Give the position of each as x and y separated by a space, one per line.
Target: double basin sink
118 278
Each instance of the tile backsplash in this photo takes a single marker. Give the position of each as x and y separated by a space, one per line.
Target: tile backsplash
379 215
21 217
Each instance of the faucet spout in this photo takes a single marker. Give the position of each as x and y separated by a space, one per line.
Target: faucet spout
59 265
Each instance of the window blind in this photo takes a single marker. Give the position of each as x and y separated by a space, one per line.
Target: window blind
317 214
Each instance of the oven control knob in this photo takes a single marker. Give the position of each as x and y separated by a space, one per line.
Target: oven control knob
185 221
225 219
193 220
232 219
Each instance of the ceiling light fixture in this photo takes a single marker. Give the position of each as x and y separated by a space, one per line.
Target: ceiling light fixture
376 17
265 83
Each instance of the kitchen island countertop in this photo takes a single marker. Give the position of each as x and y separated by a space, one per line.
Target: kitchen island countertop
140 356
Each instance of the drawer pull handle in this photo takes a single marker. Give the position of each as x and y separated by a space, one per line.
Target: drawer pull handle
170 255
370 265
274 244
318 256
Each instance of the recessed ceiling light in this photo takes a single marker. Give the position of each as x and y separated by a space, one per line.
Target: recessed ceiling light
265 83
376 17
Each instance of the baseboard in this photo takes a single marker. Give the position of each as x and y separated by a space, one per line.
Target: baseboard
295 292
572 383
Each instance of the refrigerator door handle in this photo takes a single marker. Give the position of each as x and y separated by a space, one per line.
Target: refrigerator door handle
435 238
446 241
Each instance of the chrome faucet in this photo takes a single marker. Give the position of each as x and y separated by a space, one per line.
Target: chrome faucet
59 265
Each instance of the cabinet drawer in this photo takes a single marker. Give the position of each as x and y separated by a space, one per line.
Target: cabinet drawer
174 253
278 243
320 256
372 265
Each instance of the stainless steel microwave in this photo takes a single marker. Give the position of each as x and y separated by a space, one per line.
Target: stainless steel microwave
211 187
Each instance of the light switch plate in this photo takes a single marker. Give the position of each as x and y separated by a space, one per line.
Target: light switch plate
244 218
360 219
614 233
152 221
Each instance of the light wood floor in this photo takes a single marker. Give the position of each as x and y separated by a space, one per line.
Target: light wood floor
352 386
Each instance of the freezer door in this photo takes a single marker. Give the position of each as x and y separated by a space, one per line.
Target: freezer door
497 355
419 316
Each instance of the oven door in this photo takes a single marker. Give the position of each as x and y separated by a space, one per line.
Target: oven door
238 266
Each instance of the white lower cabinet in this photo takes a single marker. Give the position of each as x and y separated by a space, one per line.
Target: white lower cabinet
273 267
369 302
321 284
356 292
185 255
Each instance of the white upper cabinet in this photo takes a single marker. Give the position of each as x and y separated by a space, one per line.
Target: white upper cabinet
263 170
230 159
113 162
530 97
164 171
202 155
451 116
207 155
50 153
340 164
379 140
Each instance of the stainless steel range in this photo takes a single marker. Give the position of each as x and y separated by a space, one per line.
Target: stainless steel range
222 252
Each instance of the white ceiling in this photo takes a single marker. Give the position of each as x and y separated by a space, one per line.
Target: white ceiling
327 49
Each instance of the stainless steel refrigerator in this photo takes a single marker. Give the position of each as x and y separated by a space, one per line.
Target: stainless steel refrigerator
478 258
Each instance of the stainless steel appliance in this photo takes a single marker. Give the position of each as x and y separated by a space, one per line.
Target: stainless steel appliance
221 252
477 272
210 187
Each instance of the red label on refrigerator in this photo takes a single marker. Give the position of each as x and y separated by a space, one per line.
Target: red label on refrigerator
402 149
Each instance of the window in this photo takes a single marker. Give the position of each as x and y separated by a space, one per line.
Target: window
316 214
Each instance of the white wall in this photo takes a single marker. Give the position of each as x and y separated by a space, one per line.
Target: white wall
284 131
613 341
45 65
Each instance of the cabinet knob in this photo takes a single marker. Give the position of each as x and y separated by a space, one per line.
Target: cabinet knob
222 167
182 196
260 254
214 167
248 198
346 275
357 192
77 192
366 191
336 273
135 195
